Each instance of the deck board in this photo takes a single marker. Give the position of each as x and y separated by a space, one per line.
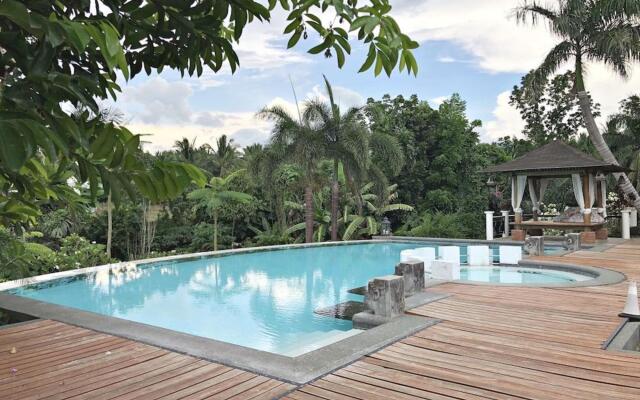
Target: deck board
505 343
56 361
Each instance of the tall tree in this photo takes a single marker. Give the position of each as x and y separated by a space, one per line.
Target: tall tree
213 197
299 142
551 114
347 143
225 154
623 134
590 30
186 148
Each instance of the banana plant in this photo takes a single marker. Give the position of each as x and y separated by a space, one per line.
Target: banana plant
375 207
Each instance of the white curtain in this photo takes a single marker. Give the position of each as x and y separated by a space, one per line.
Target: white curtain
592 190
518 185
577 190
603 191
537 194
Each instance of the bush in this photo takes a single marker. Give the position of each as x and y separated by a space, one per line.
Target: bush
440 225
77 252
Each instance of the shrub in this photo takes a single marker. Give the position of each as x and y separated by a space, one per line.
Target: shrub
440 225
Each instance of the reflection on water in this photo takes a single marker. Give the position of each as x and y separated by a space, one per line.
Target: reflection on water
264 300
261 300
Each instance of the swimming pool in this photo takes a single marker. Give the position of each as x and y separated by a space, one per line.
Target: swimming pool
519 275
264 299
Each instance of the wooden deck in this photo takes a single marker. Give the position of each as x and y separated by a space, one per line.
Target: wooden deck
494 343
504 343
58 361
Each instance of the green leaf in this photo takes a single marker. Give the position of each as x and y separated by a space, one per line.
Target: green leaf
371 57
294 39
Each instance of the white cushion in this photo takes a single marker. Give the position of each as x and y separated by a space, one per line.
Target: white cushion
510 254
445 270
450 254
425 254
479 255
408 255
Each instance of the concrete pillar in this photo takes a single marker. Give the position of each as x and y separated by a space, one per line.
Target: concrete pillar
572 241
413 274
385 296
505 215
489 224
633 217
534 245
626 223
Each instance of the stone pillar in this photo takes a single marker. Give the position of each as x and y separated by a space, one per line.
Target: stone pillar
385 296
572 241
505 215
534 245
413 274
626 223
488 216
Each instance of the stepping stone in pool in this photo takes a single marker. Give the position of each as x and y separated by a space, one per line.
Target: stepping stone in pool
362 290
344 310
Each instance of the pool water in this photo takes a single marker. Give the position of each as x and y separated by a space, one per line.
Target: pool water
518 275
263 300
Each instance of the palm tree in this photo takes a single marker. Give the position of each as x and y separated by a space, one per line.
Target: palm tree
347 143
296 140
590 30
215 195
225 154
623 134
185 148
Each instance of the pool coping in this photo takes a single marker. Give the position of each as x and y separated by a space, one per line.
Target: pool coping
297 370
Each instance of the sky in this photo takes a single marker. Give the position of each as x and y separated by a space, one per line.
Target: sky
474 48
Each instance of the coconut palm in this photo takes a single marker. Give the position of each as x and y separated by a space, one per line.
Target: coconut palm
623 134
225 155
376 206
185 148
590 30
297 141
347 143
215 195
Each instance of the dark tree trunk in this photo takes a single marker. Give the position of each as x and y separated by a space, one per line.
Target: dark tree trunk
335 196
308 214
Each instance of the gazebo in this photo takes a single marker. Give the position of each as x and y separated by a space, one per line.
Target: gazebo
555 160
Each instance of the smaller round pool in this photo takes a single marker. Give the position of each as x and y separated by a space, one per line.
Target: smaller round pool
518 275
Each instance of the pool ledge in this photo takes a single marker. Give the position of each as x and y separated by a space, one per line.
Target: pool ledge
297 370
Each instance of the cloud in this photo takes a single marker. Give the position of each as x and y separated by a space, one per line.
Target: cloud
506 122
488 31
158 100
485 29
436 101
344 97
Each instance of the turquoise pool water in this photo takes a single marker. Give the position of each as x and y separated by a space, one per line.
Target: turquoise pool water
518 275
264 300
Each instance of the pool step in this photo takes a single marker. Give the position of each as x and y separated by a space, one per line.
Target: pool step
344 310
315 340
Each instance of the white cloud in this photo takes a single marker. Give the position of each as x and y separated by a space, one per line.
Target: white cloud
344 97
485 29
506 122
488 31
436 101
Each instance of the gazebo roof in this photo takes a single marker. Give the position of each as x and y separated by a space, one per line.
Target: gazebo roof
555 158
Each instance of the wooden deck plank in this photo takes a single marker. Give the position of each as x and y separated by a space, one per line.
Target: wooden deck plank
498 342
59 361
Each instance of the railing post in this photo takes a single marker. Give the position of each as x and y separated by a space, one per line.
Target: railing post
489 224
505 215
626 223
